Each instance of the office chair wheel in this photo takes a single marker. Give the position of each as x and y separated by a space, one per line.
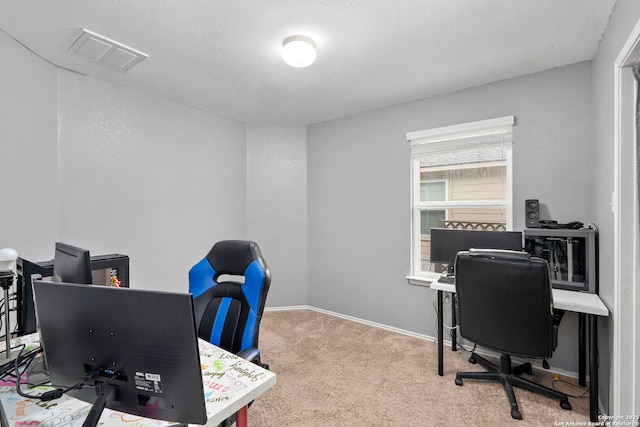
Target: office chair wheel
472 360
565 405
458 381
515 414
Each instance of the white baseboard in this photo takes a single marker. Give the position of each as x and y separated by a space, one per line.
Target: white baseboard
480 351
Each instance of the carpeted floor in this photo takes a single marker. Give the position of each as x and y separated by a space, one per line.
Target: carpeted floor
336 372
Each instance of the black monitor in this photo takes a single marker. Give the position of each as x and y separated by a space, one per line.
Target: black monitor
107 270
71 264
139 348
447 242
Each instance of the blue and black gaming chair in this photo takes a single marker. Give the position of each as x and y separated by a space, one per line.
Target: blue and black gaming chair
227 307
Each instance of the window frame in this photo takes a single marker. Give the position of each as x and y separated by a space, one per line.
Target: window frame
490 132
446 197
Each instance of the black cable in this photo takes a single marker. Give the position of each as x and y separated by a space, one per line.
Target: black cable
58 392
584 394
9 366
22 359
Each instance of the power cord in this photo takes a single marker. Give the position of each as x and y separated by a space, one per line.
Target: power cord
448 297
58 392
22 359
585 391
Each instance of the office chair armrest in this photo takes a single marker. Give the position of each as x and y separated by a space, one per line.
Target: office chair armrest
249 354
252 355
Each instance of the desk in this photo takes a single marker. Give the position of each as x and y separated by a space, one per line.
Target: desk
229 382
588 306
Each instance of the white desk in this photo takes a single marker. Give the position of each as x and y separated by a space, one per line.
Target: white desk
588 306
229 383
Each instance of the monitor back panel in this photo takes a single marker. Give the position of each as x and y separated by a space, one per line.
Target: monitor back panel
145 340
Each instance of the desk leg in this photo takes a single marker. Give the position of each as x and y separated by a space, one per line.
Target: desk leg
242 417
440 335
593 368
582 334
454 323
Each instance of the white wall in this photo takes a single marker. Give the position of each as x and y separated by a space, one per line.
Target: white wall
150 178
359 199
28 124
277 207
625 16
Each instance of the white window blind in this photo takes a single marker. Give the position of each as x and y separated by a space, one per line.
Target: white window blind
460 174
469 135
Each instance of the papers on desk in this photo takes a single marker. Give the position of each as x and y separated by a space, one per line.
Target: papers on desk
226 378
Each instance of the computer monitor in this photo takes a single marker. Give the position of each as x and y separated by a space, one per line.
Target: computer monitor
447 242
71 264
138 346
106 270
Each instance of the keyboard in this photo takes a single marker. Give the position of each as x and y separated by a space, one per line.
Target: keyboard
449 280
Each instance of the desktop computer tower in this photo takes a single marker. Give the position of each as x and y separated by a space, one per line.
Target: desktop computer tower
571 254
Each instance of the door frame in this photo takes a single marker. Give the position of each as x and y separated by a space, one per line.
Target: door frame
625 384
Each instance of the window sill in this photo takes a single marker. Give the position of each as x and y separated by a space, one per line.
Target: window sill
421 280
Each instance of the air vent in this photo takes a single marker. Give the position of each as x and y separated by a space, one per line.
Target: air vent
100 49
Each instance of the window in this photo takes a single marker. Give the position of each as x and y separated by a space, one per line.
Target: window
461 178
432 191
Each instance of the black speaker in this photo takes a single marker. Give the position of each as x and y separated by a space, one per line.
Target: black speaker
532 213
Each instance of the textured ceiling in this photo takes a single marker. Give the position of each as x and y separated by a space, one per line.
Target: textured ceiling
224 55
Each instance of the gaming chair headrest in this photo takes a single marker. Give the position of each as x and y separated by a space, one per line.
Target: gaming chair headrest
234 256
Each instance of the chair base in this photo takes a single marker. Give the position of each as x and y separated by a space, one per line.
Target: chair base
509 377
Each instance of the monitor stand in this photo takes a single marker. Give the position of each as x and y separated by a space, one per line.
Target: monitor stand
106 393
9 354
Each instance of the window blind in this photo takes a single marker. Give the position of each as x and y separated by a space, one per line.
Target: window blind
462 137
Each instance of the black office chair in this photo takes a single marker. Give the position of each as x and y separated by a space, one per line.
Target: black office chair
505 304
229 288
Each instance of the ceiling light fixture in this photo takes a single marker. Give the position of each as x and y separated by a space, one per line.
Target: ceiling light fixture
298 51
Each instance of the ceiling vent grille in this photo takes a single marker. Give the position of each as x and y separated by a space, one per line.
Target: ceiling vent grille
100 49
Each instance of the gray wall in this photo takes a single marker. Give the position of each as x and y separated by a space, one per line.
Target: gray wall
111 169
625 16
28 123
277 207
359 201
150 178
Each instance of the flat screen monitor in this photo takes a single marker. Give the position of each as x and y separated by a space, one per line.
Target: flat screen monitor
71 264
447 242
138 347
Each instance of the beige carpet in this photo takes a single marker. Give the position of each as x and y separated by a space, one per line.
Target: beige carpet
336 372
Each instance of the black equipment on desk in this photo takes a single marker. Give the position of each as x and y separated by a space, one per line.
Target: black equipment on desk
134 351
447 242
571 254
106 270
71 264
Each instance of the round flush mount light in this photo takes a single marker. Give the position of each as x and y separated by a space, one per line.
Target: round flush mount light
298 51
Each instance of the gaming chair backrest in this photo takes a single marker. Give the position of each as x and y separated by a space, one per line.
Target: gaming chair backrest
228 309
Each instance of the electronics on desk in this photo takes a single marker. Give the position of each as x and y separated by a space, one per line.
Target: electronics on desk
447 242
571 254
108 270
532 213
447 279
135 350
